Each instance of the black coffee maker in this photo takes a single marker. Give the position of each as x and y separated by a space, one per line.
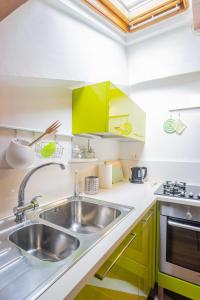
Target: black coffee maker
138 174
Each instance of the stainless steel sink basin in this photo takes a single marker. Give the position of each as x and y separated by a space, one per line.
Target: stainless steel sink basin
81 216
44 242
36 253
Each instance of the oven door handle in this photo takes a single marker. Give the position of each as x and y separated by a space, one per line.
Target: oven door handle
184 226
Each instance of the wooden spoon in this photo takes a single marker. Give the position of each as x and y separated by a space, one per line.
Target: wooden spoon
51 129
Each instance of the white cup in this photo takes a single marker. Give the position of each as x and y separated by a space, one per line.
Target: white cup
19 155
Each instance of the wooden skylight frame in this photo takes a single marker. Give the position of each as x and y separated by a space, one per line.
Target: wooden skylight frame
128 23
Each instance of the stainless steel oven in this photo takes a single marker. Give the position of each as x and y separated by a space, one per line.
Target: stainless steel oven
180 241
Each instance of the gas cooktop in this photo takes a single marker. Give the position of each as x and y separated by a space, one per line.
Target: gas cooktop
179 190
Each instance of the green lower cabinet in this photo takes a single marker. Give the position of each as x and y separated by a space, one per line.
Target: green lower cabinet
129 272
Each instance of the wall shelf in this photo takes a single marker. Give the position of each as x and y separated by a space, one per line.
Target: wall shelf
83 160
185 108
34 130
23 81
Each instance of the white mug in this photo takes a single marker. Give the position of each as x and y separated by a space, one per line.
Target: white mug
19 155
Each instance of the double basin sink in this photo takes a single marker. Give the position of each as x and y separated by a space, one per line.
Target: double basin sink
73 225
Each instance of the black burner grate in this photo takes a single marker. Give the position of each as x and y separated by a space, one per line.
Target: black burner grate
179 190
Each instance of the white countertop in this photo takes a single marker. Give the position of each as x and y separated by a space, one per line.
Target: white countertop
139 196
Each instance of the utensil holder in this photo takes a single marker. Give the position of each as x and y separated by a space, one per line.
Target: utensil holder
91 185
19 155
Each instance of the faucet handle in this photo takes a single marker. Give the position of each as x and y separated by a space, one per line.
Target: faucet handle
16 210
34 201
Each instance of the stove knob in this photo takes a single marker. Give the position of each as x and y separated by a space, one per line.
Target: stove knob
182 194
188 215
191 195
198 196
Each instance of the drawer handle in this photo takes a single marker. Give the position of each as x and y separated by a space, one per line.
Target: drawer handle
101 277
148 218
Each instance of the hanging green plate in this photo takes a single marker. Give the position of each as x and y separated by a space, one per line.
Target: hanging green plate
170 126
126 128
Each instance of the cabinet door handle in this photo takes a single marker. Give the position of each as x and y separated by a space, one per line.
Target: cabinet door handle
102 276
148 218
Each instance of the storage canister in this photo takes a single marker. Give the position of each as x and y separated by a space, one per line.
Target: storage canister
91 185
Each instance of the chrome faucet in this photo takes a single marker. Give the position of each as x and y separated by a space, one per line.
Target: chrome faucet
19 211
76 185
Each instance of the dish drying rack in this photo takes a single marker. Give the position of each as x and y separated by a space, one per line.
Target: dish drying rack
57 154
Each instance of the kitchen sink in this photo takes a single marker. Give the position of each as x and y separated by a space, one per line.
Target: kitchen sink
81 216
51 240
44 242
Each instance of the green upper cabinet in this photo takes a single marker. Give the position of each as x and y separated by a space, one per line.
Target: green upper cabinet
103 109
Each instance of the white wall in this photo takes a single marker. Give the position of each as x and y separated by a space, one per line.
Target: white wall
156 99
170 53
40 40
36 106
50 182
164 73
168 156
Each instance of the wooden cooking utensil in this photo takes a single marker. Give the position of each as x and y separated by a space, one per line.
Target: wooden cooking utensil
51 129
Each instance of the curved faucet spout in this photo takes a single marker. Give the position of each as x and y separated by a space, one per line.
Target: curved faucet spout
21 202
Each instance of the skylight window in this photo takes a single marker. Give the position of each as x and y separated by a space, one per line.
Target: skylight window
132 15
130 5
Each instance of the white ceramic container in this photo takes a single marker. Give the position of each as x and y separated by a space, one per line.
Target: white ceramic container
19 155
